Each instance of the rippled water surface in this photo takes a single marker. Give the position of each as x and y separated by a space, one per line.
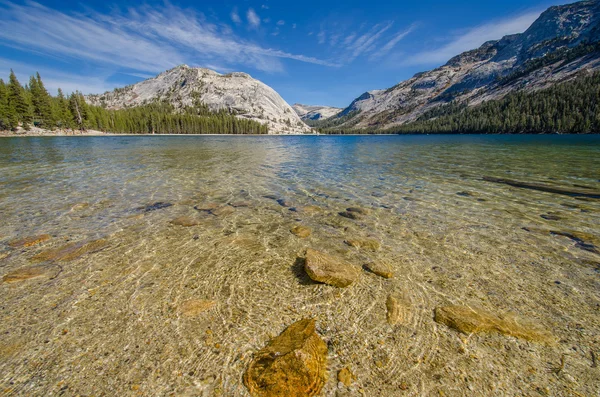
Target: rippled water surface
107 310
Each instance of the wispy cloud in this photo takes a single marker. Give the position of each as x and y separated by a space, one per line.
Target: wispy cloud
392 43
144 39
372 41
281 22
253 18
235 16
474 38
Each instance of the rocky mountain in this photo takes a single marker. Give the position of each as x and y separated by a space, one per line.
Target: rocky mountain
235 92
561 44
313 113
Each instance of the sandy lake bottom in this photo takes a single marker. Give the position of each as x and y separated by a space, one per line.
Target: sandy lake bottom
162 265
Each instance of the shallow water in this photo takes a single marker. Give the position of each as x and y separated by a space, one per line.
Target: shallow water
112 320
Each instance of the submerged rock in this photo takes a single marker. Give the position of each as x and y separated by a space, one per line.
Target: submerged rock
350 215
71 251
29 241
284 203
301 231
207 207
79 206
398 308
371 245
294 364
346 376
357 210
311 209
156 206
329 270
381 269
223 211
194 307
475 320
240 204
26 273
185 221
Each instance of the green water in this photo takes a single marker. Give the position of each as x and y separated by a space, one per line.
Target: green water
109 322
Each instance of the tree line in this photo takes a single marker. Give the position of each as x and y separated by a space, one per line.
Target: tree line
572 107
32 105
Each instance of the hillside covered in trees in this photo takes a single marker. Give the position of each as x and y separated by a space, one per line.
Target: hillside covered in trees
32 105
571 107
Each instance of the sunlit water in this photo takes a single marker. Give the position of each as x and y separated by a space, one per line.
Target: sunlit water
109 322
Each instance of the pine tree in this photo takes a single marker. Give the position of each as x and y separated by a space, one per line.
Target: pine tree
41 101
18 108
3 106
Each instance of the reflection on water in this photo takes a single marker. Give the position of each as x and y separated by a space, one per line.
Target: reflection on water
121 300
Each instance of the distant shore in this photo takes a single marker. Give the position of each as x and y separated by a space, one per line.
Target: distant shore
34 131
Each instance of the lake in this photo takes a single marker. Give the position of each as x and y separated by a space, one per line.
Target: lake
160 265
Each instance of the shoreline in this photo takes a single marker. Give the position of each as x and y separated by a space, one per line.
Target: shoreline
38 132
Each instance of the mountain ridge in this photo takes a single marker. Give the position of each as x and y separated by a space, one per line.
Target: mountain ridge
315 112
489 72
237 93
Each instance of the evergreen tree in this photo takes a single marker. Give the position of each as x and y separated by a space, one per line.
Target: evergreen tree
3 106
43 114
18 108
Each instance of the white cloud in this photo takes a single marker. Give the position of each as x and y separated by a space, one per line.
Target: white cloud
281 22
294 26
474 38
253 18
350 42
322 37
144 39
264 7
392 43
235 17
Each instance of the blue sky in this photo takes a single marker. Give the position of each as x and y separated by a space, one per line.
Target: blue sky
311 52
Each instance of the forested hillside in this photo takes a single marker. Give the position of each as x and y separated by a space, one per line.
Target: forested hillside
32 105
572 107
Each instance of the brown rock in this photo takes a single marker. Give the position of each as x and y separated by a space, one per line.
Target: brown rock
371 245
381 269
311 209
350 215
294 364
71 251
29 241
346 376
361 211
475 320
26 273
398 308
223 211
194 307
185 221
301 231
240 204
80 206
329 270
207 207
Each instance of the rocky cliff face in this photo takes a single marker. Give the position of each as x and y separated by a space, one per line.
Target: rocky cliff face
560 44
236 92
308 112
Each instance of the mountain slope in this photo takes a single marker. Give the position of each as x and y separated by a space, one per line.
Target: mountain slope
309 112
237 93
560 44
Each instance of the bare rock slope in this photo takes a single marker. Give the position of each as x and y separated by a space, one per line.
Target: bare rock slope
562 43
236 92
309 112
